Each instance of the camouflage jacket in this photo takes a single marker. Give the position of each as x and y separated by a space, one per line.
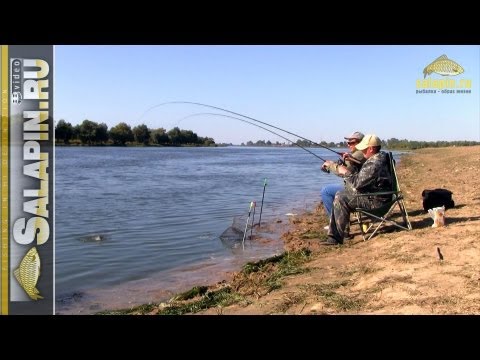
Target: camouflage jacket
374 176
352 167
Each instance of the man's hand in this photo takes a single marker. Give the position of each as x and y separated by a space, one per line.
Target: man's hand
326 166
349 157
342 170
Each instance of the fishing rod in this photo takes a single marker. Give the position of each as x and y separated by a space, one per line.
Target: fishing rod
263 196
253 219
261 127
245 116
246 225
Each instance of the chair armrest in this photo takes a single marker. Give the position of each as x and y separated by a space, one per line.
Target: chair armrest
377 193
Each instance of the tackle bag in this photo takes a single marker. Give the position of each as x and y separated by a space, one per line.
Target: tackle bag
437 198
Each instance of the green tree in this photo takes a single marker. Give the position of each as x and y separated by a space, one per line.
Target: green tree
189 137
101 133
159 136
63 131
175 136
121 133
141 133
208 141
88 131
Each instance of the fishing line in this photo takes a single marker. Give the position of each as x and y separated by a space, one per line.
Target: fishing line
249 122
235 113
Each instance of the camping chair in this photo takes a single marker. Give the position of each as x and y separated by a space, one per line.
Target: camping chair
374 219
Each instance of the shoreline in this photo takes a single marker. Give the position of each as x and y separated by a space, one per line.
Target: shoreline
164 285
397 272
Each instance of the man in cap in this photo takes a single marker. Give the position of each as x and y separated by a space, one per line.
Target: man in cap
352 162
374 176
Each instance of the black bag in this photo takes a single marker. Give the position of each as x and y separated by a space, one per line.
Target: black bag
437 198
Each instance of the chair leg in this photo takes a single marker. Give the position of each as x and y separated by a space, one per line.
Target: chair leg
403 210
363 227
376 229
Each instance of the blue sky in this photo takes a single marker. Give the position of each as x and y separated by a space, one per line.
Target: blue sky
320 92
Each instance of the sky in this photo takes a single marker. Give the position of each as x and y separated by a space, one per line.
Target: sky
319 92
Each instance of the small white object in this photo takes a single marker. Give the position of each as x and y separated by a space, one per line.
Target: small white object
438 216
291 214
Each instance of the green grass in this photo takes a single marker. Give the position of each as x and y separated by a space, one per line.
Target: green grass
312 234
142 309
190 294
288 263
217 298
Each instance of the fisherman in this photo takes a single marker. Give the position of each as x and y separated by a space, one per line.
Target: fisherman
328 192
374 176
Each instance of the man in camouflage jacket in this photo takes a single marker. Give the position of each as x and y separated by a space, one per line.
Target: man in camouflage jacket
353 165
374 176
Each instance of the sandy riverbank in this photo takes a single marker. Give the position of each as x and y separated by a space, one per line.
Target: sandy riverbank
396 272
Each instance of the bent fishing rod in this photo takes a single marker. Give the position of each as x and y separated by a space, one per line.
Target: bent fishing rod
249 122
247 117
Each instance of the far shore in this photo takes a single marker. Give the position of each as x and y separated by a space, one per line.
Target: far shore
423 271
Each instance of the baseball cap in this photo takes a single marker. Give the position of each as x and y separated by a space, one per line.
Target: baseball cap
356 135
368 140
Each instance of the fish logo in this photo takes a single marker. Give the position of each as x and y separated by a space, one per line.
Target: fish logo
28 272
443 66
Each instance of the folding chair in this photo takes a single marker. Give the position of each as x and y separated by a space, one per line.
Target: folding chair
374 219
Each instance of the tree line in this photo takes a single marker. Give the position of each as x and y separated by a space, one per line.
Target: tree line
392 144
92 133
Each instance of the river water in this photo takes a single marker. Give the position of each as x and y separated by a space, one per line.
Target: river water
136 224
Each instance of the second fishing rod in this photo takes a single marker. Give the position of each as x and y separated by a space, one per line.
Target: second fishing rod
250 118
259 126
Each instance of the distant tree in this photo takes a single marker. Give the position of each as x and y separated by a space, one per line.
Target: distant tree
76 132
159 136
63 131
121 133
101 133
208 141
175 136
141 133
304 143
188 137
87 133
